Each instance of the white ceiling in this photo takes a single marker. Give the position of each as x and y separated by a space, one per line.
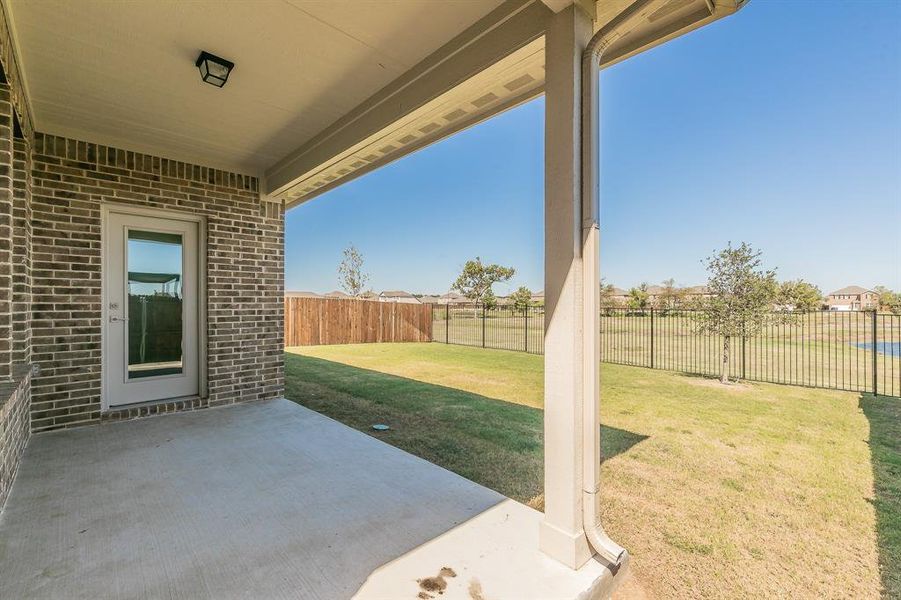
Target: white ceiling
122 73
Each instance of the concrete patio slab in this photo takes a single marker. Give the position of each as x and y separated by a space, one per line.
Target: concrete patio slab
261 500
493 555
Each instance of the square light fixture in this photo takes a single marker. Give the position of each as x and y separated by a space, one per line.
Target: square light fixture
214 70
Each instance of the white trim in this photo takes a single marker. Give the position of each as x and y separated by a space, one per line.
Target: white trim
509 27
107 208
23 77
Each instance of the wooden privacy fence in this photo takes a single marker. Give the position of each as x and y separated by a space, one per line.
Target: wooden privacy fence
323 321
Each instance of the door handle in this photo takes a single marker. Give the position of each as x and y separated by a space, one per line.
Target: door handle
119 319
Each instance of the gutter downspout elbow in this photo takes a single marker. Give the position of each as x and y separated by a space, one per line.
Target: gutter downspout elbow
620 26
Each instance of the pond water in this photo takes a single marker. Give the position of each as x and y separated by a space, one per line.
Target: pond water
887 348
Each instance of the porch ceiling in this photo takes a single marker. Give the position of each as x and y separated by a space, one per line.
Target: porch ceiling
322 92
122 73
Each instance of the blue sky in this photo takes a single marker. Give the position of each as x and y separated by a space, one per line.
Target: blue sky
153 257
780 126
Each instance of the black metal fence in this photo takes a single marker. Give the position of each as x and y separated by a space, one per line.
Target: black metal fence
844 350
501 328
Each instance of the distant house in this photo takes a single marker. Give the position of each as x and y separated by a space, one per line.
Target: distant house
453 298
613 296
852 297
431 299
302 295
698 291
337 294
654 293
369 295
399 296
618 296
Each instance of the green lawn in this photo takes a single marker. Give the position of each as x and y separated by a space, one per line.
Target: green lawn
746 491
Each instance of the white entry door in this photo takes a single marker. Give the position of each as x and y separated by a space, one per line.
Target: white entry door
150 270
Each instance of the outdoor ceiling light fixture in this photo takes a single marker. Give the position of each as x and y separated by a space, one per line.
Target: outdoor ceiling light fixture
214 70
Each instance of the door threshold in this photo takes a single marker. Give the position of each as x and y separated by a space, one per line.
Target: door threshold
126 412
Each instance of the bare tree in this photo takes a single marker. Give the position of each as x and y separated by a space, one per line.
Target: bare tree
350 272
671 297
607 301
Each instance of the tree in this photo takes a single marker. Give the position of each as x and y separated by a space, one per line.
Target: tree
742 296
522 299
799 295
489 300
888 300
476 280
671 297
607 300
639 298
350 272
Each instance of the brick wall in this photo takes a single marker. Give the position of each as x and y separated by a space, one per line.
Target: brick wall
245 273
21 267
15 292
14 430
6 232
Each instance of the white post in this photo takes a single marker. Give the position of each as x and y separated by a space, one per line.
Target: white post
562 535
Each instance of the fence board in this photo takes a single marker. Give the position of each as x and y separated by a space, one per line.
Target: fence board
320 321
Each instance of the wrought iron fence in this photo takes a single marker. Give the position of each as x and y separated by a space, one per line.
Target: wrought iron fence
844 350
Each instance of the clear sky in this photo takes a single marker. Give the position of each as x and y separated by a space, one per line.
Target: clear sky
779 126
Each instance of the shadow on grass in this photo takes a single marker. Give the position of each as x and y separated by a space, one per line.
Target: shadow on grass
495 443
884 415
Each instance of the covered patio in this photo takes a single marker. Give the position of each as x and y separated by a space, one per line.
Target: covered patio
142 269
260 500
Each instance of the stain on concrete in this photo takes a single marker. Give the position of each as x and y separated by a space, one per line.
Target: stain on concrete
431 585
475 590
57 569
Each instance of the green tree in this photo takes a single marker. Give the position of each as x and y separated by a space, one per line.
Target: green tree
888 300
489 300
742 297
799 295
476 280
350 272
522 299
639 298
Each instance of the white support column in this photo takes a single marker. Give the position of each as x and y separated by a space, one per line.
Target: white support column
562 535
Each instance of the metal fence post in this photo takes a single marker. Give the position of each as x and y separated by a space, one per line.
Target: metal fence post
447 323
875 358
483 325
652 338
526 329
744 340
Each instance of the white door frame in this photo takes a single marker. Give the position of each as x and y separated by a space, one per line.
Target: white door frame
202 365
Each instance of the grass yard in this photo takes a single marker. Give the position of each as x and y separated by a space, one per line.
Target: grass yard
754 490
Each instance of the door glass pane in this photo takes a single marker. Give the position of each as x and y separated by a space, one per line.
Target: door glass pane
154 304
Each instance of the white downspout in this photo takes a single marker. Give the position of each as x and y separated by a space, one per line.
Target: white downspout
625 22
